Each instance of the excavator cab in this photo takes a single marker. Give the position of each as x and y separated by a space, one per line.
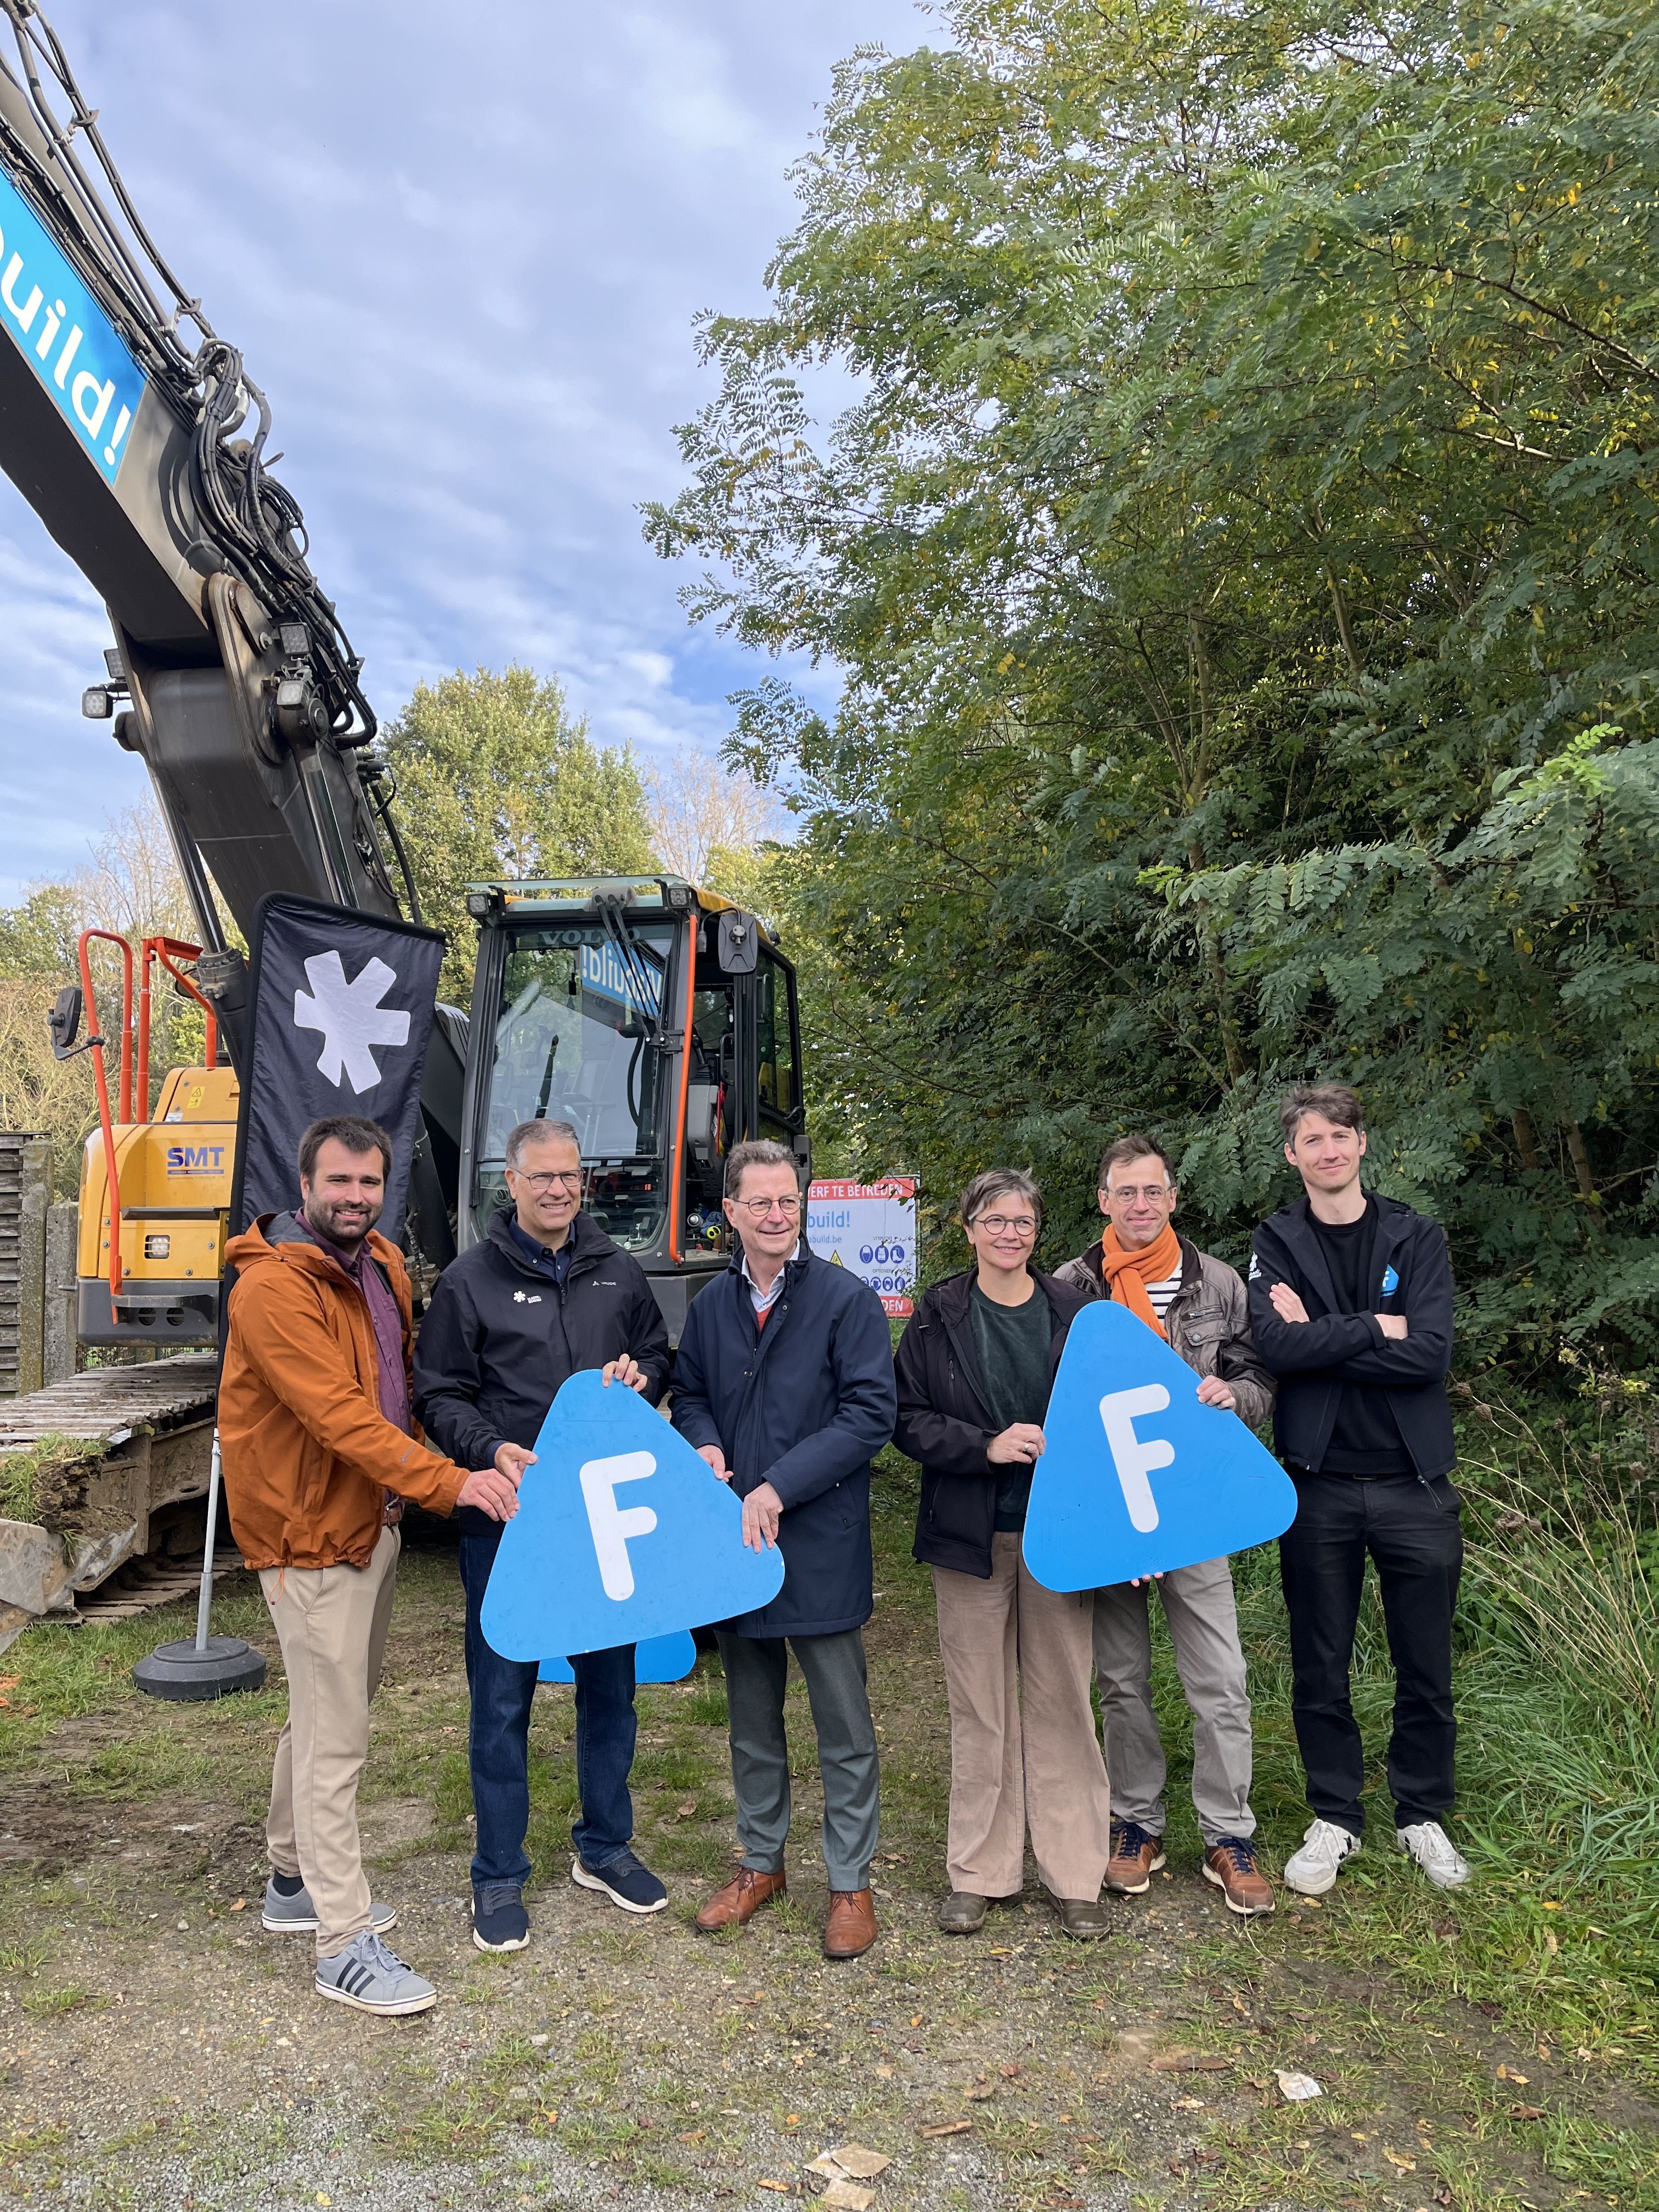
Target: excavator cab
661 1022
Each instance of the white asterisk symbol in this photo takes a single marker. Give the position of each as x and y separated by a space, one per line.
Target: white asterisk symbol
350 1017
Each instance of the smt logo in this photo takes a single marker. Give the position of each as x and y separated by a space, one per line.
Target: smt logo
196 1159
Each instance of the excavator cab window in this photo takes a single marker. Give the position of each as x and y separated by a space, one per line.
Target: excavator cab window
774 1051
579 1011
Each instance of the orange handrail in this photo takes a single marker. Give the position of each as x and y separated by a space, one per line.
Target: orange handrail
164 949
111 1172
677 1155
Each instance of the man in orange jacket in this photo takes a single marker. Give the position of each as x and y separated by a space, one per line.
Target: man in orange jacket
320 1452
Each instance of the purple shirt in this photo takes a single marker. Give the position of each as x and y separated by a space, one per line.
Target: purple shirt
388 1323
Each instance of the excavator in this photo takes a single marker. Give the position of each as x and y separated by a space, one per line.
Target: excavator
658 1019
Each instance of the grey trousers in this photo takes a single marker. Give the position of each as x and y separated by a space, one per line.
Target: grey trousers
756 1668
1197 1605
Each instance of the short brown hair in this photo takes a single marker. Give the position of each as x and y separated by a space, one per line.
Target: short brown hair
1335 1101
756 1153
354 1131
1001 1183
1132 1147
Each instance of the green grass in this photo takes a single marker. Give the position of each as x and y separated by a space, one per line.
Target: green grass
21 1472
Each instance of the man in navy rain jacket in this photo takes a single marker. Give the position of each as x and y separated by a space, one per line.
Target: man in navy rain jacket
784 1382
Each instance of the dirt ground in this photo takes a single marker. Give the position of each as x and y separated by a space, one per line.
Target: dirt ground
158 2050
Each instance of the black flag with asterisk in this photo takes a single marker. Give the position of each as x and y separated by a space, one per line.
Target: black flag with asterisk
340 1007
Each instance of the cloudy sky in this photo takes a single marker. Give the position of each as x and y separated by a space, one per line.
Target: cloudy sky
461 251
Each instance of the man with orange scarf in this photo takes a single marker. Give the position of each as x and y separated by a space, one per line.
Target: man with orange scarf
1198 1304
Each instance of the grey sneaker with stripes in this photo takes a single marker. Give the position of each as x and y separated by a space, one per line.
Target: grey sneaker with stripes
297 1914
371 1975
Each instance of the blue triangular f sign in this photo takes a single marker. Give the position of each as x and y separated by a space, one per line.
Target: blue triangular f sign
1139 1477
622 1534
659 1659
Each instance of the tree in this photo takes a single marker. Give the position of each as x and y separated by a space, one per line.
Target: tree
132 887
1240 559
700 807
497 780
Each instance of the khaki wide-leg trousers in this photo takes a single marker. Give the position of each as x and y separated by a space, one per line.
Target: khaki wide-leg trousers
1018 1663
331 1622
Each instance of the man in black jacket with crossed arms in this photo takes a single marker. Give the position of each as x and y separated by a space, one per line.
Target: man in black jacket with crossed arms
1351 1307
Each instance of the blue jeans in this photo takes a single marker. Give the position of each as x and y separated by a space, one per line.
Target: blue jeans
498 1740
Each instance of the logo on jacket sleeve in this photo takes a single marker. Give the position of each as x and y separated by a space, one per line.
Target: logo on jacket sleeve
1256 1268
1390 1281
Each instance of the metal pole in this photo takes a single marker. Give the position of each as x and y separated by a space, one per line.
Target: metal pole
204 1604
213 1666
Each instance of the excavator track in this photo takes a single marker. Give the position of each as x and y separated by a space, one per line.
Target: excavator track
99 1458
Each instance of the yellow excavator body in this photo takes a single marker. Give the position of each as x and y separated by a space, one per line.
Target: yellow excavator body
174 1175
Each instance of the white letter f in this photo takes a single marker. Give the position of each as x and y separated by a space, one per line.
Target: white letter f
1135 1459
610 1524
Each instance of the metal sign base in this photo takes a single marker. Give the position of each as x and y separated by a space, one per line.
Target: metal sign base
189 1671
211 1665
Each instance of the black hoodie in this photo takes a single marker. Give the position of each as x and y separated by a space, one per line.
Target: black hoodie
501 1335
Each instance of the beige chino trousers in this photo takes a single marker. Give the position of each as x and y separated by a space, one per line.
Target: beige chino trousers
332 1624
1017 1664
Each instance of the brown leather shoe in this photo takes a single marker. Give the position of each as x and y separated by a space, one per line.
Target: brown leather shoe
1136 1857
735 1903
1230 1865
851 1929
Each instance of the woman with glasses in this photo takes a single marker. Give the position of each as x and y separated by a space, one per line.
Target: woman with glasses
975 1366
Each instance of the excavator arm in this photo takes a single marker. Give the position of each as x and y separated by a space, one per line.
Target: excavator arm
137 435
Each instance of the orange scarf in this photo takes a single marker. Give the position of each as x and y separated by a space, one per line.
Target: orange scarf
1128 1274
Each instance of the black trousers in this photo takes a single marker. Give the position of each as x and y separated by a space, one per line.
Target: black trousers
1411 1530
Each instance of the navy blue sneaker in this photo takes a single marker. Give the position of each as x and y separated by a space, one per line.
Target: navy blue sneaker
500 1921
623 1880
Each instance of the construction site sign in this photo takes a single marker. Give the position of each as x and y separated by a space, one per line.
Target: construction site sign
869 1228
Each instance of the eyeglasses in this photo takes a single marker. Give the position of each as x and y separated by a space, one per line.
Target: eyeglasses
999 1224
545 1179
1125 1193
758 1208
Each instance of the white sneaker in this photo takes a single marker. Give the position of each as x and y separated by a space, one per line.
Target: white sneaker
1428 1843
1313 1870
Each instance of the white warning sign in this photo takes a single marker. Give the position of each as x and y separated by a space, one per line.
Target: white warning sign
870 1228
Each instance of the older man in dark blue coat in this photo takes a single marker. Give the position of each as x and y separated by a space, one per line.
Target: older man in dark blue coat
784 1382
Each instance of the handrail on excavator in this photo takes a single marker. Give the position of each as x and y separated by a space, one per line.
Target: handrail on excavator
100 1076
167 951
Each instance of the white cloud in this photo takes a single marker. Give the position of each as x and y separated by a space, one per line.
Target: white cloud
463 265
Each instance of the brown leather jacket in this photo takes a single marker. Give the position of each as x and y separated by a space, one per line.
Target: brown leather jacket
1208 1323
308 1458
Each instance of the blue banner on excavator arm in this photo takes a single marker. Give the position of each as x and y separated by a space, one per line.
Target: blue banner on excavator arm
64 336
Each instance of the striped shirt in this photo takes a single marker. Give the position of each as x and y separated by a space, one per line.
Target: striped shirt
1162 1295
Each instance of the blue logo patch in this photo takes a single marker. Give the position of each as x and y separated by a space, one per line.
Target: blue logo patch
66 336
622 1534
1391 1282
1139 1477
659 1659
